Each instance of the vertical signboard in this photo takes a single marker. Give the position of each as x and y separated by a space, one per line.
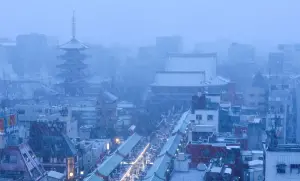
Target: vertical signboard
70 168
12 120
1 125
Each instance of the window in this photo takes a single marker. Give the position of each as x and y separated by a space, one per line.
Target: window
9 159
248 158
21 111
26 157
31 153
199 117
273 87
281 168
210 117
295 167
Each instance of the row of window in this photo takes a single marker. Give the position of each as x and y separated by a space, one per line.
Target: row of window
281 168
209 117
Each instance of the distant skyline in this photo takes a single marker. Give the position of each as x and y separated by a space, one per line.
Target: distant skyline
138 22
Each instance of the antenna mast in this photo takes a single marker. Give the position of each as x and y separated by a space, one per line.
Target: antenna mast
73 25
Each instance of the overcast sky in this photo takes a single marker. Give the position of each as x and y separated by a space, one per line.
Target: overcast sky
134 22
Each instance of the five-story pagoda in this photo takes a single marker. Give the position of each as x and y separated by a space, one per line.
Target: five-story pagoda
73 75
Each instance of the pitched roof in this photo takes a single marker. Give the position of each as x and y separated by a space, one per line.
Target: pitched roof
73 44
128 145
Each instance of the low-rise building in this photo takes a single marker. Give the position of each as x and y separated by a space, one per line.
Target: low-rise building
282 162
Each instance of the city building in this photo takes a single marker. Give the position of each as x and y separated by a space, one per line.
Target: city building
253 165
18 162
168 44
241 53
31 113
276 63
116 166
282 162
90 151
257 94
55 176
106 108
184 75
54 148
73 73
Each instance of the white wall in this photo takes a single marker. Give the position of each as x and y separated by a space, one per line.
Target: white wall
205 115
273 158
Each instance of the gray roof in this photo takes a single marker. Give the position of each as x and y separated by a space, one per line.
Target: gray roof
94 177
114 160
160 166
182 123
128 145
73 44
110 164
171 146
108 97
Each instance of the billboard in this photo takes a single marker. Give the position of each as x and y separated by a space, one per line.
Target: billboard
1 125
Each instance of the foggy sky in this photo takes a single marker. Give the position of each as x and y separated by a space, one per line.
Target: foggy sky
137 22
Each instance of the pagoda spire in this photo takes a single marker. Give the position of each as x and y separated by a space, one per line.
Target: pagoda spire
73 25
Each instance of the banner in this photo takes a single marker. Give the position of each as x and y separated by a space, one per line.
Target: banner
12 120
1 125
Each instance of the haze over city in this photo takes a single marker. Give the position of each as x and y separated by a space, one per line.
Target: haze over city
149 90
135 22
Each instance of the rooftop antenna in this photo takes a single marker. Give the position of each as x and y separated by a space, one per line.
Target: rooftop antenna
73 25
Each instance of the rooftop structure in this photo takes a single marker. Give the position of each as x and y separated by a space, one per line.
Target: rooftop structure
191 175
19 162
73 68
184 75
282 163
53 147
60 115
162 166
105 169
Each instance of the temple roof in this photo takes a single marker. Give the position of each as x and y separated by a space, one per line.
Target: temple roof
73 44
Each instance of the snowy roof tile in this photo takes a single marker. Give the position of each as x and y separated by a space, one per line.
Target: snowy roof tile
73 44
110 164
157 171
128 145
171 146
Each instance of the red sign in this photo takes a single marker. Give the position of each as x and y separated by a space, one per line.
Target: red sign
12 120
1 125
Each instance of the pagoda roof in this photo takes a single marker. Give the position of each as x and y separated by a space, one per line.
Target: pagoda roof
73 44
77 64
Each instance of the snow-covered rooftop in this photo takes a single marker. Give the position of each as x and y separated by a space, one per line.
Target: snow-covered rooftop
186 79
191 175
73 44
56 175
